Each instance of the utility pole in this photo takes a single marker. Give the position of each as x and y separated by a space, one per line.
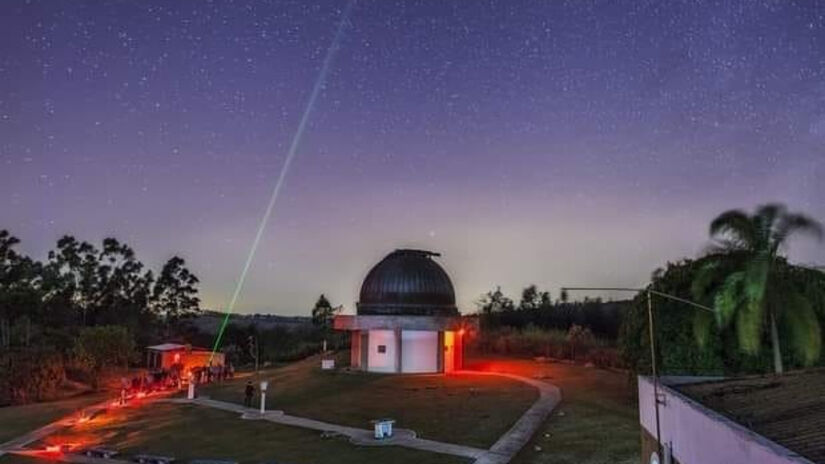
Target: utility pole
653 368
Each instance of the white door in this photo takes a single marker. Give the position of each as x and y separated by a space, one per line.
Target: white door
381 357
419 351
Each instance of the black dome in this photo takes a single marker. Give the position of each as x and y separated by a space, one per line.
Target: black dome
407 282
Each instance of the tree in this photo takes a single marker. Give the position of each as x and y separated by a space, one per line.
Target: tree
100 286
677 350
750 284
103 347
123 288
175 294
545 302
9 276
73 266
19 291
495 301
530 298
323 313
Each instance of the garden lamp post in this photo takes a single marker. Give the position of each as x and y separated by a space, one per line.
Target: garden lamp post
651 332
264 385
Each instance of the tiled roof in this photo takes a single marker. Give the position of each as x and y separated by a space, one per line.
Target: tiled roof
788 409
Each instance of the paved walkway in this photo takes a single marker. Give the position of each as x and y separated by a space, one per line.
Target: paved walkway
502 451
509 444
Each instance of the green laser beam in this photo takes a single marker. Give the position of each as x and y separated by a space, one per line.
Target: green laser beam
293 147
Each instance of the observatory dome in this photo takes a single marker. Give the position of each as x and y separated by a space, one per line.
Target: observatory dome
407 283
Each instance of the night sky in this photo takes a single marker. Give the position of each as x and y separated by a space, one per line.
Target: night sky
547 142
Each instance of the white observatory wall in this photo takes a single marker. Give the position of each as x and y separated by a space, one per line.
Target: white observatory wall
381 362
419 351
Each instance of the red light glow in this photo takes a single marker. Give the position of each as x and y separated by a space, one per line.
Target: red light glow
61 448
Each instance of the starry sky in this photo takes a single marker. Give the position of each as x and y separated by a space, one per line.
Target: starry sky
549 142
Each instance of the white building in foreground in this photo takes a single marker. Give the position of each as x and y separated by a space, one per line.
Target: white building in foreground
752 420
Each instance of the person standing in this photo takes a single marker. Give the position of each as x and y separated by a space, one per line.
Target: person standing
249 392
124 388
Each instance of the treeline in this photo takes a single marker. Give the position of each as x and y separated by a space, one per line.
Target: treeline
83 308
583 331
242 342
741 308
246 337
536 309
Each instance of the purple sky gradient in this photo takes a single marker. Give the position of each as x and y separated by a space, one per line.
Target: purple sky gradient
555 143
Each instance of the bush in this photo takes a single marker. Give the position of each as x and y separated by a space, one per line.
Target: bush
602 318
576 344
30 375
103 347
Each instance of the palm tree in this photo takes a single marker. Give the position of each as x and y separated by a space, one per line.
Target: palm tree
752 284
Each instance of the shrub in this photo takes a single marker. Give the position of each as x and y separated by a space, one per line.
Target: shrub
576 344
103 347
30 375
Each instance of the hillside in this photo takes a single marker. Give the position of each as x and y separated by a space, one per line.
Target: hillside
209 321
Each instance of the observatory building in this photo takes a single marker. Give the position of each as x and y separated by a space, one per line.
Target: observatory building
407 320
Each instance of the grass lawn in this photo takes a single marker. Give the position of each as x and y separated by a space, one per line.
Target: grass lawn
596 423
13 459
190 432
19 420
468 410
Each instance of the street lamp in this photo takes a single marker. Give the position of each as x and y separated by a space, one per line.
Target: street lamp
650 292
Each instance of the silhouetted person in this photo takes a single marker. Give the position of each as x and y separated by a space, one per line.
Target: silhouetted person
124 388
249 391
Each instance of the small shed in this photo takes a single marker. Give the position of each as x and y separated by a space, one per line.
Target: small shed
170 356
